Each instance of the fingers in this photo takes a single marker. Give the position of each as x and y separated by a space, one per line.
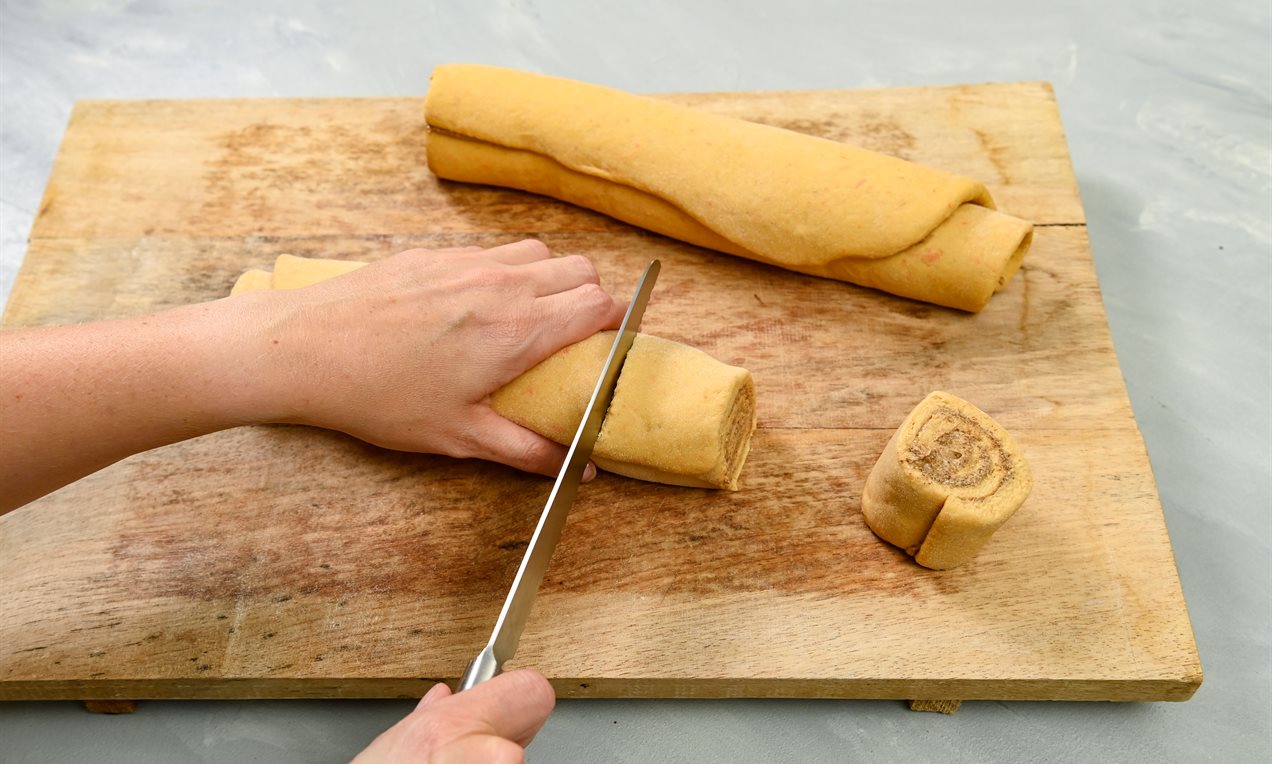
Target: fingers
498 440
434 694
515 705
421 253
559 274
492 722
519 252
615 316
573 316
508 443
547 274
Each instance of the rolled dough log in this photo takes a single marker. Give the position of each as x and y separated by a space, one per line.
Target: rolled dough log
251 281
949 477
777 196
291 272
678 415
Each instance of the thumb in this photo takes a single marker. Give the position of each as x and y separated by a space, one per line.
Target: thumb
501 440
434 694
488 749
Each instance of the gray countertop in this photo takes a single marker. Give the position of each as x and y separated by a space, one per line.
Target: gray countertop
1168 112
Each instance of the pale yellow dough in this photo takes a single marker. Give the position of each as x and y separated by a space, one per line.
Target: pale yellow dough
678 415
773 195
251 281
949 477
291 272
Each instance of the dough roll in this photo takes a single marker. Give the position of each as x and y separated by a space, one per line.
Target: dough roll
291 272
949 477
780 197
678 415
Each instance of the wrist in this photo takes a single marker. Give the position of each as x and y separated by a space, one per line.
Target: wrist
245 370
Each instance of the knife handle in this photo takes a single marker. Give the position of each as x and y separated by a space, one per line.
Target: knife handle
484 666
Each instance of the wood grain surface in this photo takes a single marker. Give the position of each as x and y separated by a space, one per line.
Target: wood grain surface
292 562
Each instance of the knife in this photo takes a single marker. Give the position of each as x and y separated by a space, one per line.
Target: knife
525 585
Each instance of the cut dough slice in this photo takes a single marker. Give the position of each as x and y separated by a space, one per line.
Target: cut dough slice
777 196
678 415
949 477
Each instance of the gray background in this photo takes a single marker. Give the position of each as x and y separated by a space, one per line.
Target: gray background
1168 111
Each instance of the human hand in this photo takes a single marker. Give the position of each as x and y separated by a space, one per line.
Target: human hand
405 353
492 722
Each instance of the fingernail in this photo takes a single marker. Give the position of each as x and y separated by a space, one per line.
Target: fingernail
589 472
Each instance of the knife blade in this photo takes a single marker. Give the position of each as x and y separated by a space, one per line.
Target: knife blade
525 585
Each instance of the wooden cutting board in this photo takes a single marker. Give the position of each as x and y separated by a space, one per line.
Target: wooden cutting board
293 562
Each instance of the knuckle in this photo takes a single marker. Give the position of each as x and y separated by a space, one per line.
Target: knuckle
593 297
533 454
584 268
466 443
515 454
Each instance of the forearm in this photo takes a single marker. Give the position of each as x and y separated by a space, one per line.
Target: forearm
74 399
403 354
